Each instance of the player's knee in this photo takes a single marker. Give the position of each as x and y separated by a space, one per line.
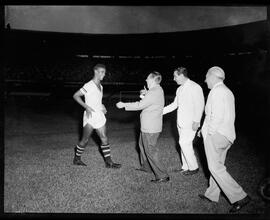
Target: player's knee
83 142
104 141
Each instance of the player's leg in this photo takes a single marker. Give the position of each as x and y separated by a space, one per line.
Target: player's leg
79 149
105 148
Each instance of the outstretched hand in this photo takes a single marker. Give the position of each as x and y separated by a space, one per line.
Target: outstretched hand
120 104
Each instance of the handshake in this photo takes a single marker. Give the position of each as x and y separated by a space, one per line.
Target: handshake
142 94
120 105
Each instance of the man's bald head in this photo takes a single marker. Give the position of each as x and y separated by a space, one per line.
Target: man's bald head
214 75
217 71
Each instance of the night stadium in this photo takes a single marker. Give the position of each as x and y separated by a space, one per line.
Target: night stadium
49 53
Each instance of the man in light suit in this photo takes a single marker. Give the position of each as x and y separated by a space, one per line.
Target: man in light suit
151 126
218 133
189 102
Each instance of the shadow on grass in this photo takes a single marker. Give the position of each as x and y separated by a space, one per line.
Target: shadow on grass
199 148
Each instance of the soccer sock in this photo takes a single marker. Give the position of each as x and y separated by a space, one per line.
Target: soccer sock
78 150
106 151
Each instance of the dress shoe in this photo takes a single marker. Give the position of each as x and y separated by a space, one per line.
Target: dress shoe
162 180
190 172
177 170
143 170
204 198
77 161
240 204
113 165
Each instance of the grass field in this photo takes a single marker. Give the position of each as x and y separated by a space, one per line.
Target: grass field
39 176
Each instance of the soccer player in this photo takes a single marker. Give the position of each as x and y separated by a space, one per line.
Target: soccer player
94 117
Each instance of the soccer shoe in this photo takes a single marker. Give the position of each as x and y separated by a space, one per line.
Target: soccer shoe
77 161
112 165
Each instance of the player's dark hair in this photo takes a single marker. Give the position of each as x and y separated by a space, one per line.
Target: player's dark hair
99 65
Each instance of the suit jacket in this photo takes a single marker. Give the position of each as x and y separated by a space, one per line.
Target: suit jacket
152 106
189 100
220 112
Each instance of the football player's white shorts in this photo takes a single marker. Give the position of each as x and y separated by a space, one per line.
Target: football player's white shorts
97 120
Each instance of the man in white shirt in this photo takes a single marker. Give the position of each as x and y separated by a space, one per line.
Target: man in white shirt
93 117
189 102
218 133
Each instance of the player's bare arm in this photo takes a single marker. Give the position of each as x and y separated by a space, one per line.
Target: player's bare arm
78 98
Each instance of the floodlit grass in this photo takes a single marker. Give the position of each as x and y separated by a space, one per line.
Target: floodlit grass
40 178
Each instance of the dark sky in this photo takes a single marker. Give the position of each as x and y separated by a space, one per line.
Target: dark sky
129 19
